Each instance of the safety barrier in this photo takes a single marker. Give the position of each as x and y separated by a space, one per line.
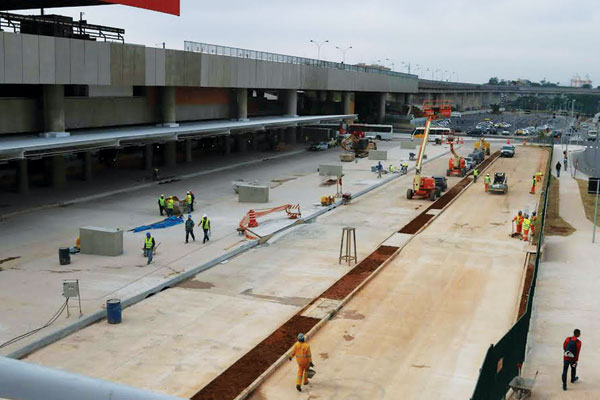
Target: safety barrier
504 359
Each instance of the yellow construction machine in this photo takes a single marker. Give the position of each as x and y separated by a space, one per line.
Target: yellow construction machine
483 145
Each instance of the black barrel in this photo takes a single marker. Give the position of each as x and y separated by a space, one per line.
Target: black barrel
64 256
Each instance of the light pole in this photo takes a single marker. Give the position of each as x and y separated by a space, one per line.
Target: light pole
445 72
407 65
343 50
436 71
319 47
391 63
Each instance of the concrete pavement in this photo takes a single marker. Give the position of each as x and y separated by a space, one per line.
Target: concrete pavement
566 298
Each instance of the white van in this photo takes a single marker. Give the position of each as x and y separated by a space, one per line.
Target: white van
592 135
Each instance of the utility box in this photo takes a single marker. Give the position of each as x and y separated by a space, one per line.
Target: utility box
331 170
378 155
593 185
101 241
253 194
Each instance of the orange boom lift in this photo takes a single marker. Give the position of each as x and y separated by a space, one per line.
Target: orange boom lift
424 186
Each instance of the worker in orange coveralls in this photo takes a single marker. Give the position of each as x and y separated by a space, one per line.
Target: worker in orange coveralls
533 220
301 351
518 220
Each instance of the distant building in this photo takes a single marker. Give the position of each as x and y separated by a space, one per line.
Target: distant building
576 81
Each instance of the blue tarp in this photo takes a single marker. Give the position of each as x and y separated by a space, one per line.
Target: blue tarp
165 223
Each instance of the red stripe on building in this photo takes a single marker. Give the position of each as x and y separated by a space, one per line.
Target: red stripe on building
166 6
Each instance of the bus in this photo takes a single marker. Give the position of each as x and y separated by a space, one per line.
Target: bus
435 132
379 132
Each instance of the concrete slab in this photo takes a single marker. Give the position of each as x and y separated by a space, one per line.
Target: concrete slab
331 169
101 241
378 155
321 308
253 194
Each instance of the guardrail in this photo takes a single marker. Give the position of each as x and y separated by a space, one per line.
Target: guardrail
504 359
214 49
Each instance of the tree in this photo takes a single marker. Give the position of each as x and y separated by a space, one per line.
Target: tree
586 86
493 81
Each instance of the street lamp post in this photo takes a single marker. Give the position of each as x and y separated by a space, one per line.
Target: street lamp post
319 47
407 65
391 63
343 50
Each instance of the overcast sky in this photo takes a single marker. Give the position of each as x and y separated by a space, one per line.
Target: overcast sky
475 39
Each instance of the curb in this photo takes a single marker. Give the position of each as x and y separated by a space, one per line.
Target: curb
101 314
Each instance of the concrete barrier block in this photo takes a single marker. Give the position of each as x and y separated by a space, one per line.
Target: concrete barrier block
408 145
331 170
378 155
101 241
253 194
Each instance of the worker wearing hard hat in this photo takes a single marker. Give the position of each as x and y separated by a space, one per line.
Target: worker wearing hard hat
170 205
518 220
161 204
526 225
538 176
205 225
189 228
533 220
533 182
301 351
486 181
149 245
475 174
189 201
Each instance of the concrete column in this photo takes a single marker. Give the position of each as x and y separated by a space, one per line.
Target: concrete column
347 99
188 150
170 153
290 135
226 145
167 106
59 172
54 108
381 108
22 176
290 101
242 104
87 162
241 142
408 99
148 157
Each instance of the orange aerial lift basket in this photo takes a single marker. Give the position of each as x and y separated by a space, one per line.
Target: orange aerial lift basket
435 109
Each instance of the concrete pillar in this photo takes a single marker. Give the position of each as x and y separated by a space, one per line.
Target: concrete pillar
188 150
290 135
408 99
241 142
54 108
58 172
22 176
87 162
347 99
242 104
170 153
167 106
290 101
381 108
226 145
148 157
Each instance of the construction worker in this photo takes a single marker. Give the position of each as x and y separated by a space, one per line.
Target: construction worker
205 225
533 182
379 169
149 245
189 201
538 176
170 205
526 226
161 203
391 168
518 219
475 175
486 181
571 348
533 220
189 228
193 199
301 351
404 168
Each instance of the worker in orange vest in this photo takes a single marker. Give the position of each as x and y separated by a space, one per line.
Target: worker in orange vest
518 219
533 221
538 176
486 181
301 351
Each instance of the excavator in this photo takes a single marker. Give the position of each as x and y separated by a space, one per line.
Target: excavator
359 146
424 186
456 165
483 145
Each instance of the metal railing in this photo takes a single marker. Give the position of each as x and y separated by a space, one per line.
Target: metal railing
504 359
226 51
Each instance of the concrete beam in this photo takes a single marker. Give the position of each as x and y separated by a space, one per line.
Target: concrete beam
290 101
22 176
242 104
54 108
59 172
170 154
168 106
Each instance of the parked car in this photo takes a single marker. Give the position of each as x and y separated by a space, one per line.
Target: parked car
478 156
507 151
505 133
441 183
475 132
319 146
469 163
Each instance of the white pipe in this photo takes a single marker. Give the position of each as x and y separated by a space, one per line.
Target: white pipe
20 380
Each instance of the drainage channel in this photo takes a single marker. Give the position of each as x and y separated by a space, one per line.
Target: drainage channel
248 370
422 219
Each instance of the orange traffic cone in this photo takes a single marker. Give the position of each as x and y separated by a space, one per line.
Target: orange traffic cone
507 141
252 223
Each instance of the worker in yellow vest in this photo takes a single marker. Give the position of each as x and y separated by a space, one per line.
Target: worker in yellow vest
475 174
533 182
170 205
149 245
526 226
205 225
539 176
189 201
301 351
486 181
161 204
